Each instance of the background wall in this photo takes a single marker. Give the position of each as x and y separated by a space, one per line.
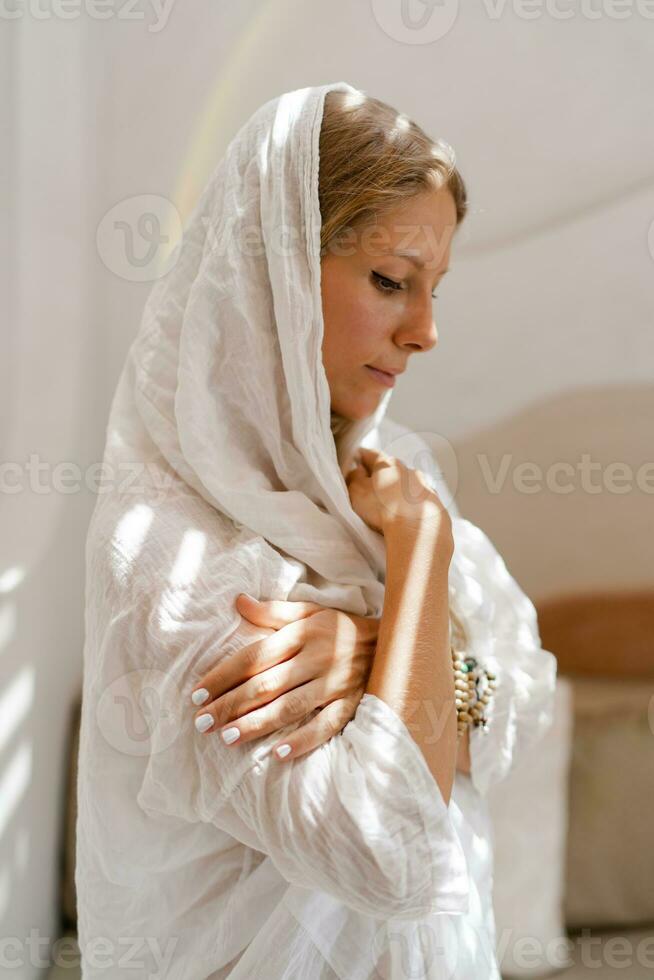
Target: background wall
545 321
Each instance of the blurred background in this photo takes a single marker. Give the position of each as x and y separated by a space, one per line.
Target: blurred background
539 397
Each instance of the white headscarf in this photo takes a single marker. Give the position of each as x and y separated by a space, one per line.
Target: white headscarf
229 379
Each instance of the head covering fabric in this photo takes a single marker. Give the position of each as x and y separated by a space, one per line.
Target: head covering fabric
228 374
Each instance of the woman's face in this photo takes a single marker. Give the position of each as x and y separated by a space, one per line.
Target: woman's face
378 306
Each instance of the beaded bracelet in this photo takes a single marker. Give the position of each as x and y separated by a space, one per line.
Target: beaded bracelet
474 685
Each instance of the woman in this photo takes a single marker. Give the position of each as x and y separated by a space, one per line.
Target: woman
250 418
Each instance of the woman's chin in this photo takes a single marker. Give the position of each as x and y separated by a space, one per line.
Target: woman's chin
358 405
354 413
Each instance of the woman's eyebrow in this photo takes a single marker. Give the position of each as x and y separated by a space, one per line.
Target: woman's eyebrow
414 256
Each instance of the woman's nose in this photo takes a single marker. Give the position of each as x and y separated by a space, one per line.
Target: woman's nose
419 331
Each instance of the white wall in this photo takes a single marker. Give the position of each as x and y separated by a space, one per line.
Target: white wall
549 302
49 419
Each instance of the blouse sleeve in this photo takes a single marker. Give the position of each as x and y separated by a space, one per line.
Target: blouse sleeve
361 817
505 638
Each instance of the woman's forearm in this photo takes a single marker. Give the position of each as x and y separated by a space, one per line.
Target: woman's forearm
412 668
463 761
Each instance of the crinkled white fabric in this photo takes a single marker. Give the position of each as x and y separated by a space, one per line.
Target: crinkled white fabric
195 859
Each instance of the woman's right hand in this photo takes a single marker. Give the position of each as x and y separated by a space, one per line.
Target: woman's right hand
385 493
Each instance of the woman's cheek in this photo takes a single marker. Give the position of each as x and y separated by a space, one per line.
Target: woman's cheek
373 324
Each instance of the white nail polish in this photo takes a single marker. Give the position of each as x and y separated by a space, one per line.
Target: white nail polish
230 735
200 696
203 722
283 750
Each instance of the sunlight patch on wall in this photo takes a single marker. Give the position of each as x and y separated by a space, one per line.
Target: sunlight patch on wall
14 782
7 624
11 578
15 703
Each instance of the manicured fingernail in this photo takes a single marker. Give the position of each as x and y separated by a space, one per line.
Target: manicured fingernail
230 735
282 750
200 696
203 722
248 596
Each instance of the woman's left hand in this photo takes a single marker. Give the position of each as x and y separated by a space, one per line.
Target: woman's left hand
316 657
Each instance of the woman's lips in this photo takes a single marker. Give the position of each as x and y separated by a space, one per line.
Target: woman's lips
382 376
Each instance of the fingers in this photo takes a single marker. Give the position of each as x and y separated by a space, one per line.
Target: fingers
274 613
267 688
373 458
249 661
329 721
284 710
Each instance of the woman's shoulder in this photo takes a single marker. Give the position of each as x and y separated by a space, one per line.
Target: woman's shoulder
147 541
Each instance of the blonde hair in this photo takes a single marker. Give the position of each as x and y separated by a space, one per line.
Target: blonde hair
372 159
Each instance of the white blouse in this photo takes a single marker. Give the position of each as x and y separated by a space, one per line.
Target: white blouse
199 860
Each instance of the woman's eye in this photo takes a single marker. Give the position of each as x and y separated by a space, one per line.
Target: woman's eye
382 280
389 285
